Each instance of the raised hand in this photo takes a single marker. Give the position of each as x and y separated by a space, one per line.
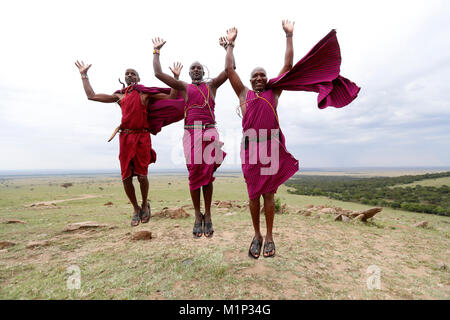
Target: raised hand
158 43
232 34
82 67
223 42
177 66
288 26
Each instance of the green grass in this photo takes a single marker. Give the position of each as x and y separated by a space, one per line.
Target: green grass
427 183
316 258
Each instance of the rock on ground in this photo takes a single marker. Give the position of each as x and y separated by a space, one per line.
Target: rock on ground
35 244
8 221
142 235
83 225
6 244
173 213
328 210
421 224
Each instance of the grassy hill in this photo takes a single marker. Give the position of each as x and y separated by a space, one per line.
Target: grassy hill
317 257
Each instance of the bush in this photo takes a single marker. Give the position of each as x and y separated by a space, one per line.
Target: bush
277 204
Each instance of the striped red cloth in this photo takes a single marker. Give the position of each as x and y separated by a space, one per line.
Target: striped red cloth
136 151
266 164
161 113
319 71
202 148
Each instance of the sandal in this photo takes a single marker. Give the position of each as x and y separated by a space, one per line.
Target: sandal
136 219
255 247
198 228
145 217
268 248
208 229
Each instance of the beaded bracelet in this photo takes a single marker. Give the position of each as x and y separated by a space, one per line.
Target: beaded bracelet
156 51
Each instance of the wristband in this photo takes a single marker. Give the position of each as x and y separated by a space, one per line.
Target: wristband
84 76
288 35
155 51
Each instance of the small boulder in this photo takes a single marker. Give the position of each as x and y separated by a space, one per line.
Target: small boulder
8 221
328 210
6 244
224 204
367 214
35 244
345 218
421 224
442 266
173 213
83 225
142 235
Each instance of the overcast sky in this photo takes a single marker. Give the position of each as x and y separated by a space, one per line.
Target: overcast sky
398 52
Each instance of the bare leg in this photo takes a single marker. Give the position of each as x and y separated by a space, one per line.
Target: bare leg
143 181
131 194
207 197
255 212
195 196
269 208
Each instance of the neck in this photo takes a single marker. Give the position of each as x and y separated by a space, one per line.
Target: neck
197 81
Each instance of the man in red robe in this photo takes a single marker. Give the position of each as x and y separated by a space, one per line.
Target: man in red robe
264 170
201 144
136 151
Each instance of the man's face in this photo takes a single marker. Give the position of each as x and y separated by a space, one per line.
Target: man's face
258 79
131 76
196 71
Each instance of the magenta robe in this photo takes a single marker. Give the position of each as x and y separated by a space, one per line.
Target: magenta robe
202 157
258 177
319 71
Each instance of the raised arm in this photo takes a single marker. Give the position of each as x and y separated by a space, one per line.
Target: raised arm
91 95
235 81
288 27
222 77
176 70
167 79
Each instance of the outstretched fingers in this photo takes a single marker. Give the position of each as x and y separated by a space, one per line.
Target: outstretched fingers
176 70
158 42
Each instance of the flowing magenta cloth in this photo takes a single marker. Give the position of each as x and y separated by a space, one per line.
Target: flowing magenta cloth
319 71
202 148
160 112
262 176
136 151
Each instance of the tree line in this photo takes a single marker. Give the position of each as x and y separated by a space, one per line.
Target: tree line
379 191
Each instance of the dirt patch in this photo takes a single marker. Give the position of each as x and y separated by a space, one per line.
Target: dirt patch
259 268
53 202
